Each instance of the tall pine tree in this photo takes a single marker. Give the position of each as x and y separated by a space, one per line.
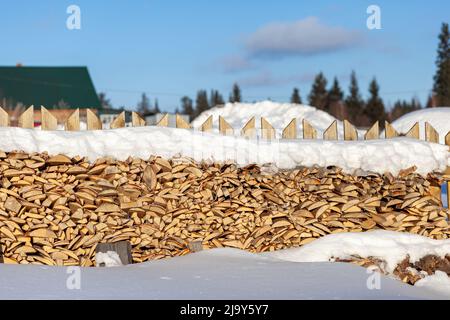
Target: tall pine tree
318 95
441 86
156 108
143 106
104 102
374 109
335 105
187 107
354 102
335 94
295 97
236 95
216 98
201 102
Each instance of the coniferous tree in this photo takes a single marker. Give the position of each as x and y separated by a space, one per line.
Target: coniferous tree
354 102
143 106
335 105
236 94
156 108
374 109
187 107
318 95
335 94
441 86
295 97
216 98
104 102
201 102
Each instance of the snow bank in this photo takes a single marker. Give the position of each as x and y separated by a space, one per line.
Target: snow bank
211 274
389 246
439 118
375 155
438 282
278 114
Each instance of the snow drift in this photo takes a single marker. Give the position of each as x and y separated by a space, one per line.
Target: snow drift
439 118
376 155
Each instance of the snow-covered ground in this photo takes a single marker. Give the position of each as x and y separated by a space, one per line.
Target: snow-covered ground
439 118
375 155
279 116
302 273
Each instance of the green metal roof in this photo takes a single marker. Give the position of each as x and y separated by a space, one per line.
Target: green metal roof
48 86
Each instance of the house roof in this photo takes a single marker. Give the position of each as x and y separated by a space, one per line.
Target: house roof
48 86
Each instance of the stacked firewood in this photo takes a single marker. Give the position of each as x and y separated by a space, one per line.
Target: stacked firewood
54 210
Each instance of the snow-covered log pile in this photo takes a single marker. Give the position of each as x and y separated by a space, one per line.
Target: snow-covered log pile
55 209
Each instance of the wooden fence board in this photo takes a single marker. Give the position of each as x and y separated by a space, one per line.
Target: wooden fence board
136 120
248 130
224 127
93 122
431 135
164 121
373 132
72 123
389 131
118 122
331 133
26 119
207 125
267 130
290 132
350 132
414 132
309 132
4 118
48 121
181 123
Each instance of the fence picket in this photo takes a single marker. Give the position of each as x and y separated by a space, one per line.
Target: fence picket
248 130
207 125
164 121
93 122
48 121
373 133
73 121
181 123
290 132
136 120
309 132
414 132
389 131
26 119
350 132
118 122
267 130
331 133
4 118
431 135
224 127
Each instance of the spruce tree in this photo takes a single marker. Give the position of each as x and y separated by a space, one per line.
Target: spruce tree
295 98
216 98
441 86
104 102
143 106
318 95
156 108
201 102
374 109
187 107
354 102
335 94
236 94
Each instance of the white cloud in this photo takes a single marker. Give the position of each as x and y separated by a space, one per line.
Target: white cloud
266 78
304 37
235 63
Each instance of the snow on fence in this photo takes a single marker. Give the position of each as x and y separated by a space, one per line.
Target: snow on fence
249 130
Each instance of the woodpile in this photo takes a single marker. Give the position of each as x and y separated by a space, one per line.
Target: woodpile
54 210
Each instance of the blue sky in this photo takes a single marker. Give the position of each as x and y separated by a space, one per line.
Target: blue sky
173 48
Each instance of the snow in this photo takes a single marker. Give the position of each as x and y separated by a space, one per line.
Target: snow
278 114
389 246
438 282
375 155
107 259
212 274
439 118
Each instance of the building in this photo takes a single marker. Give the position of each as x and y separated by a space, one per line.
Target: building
60 89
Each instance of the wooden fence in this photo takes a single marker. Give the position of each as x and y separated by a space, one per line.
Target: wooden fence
72 123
